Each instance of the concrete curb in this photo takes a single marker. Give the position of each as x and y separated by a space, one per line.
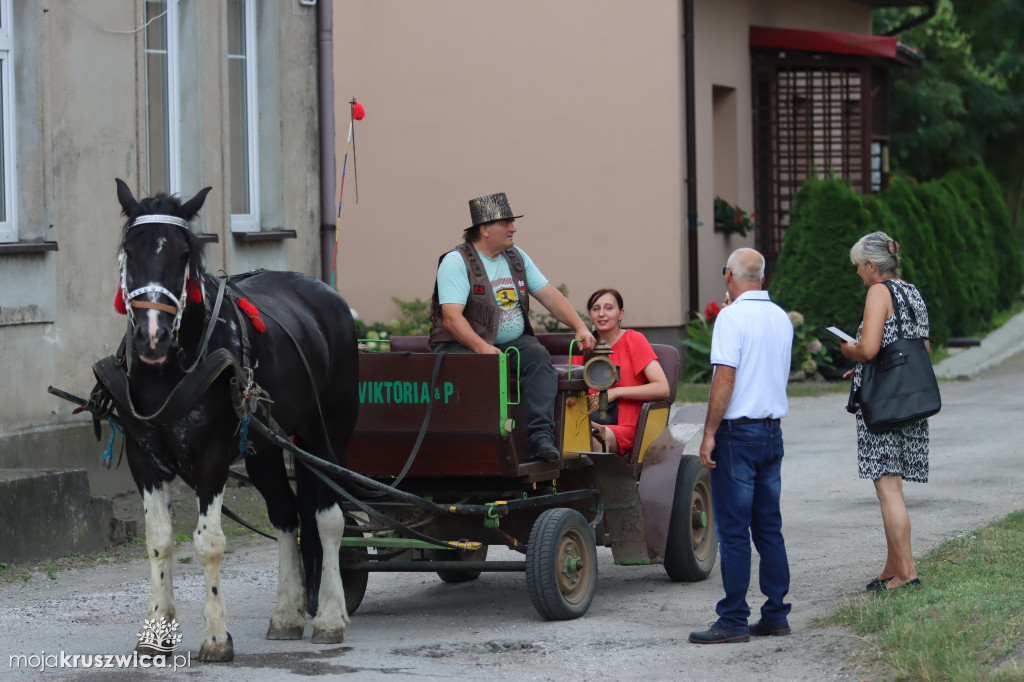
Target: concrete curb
51 513
1001 344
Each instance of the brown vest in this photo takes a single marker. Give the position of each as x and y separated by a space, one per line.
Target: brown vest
482 310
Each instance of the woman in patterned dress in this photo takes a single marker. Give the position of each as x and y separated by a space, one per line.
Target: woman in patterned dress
890 457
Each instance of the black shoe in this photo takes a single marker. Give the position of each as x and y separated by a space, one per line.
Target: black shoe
760 629
877 582
547 452
717 634
886 588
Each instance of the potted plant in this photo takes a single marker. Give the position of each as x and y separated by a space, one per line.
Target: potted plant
732 219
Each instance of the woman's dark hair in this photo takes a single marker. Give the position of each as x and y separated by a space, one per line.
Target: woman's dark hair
601 292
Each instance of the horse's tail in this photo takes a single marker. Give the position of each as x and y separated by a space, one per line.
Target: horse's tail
309 538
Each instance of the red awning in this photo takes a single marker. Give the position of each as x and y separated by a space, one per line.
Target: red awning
824 41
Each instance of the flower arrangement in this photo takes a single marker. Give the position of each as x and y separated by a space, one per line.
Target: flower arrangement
732 219
808 352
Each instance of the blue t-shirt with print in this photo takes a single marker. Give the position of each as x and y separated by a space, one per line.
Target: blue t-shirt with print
453 287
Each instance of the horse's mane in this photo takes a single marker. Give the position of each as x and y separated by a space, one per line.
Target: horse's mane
165 204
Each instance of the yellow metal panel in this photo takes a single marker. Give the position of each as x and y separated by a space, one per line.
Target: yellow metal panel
657 420
576 428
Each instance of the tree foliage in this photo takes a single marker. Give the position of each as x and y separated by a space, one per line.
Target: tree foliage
963 104
955 242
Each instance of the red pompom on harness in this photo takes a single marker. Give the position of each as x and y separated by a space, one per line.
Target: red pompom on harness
119 302
195 294
253 314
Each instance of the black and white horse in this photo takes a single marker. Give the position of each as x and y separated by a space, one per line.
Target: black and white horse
195 371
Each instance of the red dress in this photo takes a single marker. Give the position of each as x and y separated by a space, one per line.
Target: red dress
632 353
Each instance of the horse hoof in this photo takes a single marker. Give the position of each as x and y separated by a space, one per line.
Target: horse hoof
220 652
328 635
292 632
143 650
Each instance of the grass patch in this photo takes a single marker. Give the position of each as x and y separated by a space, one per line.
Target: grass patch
10 573
964 622
1003 316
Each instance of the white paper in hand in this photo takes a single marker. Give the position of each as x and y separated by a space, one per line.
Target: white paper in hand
840 334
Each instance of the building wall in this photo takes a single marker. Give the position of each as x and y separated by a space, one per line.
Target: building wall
80 124
575 110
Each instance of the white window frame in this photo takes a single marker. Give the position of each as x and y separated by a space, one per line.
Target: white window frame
8 155
173 98
250 222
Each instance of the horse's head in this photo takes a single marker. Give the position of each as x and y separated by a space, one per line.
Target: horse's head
161 264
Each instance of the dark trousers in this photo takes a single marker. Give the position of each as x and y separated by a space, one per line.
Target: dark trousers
538 383
745 488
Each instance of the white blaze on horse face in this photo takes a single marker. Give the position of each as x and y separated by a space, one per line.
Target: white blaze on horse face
331 615
208 540
152 317
160 547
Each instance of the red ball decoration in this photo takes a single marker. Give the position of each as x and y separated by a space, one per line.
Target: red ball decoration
119 302
358 112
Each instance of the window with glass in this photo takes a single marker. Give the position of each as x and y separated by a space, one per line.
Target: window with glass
162 121
8 222
242 112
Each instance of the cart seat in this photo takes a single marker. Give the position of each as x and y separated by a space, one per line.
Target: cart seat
654 413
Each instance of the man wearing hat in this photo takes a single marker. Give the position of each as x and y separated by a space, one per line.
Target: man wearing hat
481 304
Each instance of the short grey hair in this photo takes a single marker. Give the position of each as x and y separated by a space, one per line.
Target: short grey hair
880 249
744 266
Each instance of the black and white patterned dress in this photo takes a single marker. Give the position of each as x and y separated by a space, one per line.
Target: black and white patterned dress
903 451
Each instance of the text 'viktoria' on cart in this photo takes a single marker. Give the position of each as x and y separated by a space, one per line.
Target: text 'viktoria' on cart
402 392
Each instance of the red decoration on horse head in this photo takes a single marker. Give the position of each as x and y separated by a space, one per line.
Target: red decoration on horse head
195 294
119 305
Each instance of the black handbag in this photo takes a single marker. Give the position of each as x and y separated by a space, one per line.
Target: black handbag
898 387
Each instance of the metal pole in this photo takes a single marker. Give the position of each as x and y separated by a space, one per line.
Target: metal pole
691 162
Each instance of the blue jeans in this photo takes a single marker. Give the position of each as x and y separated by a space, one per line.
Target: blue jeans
745 490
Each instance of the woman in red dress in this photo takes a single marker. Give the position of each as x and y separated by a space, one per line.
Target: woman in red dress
641 376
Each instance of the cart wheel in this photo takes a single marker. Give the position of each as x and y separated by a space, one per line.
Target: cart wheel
691 549
353 582
457 555
561 564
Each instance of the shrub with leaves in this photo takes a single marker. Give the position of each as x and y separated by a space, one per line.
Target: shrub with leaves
415 321
697 346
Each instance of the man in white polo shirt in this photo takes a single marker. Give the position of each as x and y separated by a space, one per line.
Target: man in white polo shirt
742 446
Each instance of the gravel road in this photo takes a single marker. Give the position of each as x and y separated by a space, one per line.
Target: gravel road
414 626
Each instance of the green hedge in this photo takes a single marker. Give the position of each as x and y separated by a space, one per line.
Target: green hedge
956 246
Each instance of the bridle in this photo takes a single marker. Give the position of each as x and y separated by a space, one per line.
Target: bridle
178 308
